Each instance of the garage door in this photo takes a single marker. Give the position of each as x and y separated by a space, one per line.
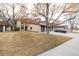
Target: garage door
1 28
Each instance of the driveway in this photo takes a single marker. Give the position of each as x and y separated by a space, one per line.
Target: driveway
69 48
68 34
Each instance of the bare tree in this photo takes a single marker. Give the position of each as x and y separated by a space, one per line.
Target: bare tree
73 8
73 22
52 12
10 14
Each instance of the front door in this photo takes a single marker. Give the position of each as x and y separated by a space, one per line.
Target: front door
25 27
42 28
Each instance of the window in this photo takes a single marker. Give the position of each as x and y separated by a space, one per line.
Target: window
52 29
42 28
1 28
49 28
22 27
30 27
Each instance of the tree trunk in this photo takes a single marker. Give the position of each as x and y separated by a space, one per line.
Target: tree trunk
47 19
71 29
52 28
14 25
47 29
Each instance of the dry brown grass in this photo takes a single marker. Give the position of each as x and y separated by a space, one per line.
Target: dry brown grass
27 43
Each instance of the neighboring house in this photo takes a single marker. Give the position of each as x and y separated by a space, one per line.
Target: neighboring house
4 26
30 25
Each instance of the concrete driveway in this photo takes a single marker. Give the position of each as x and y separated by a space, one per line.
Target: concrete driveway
68 34
69 48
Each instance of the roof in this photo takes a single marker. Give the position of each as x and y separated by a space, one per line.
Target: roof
33 21
28 21
4 23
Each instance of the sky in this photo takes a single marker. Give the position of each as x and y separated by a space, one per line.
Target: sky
39 1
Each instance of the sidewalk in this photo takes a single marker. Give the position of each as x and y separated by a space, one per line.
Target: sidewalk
69 48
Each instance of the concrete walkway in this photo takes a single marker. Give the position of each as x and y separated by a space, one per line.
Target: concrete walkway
69 48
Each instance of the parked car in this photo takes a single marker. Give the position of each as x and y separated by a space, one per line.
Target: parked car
60 30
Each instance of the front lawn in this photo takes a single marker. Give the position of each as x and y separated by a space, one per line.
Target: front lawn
28 43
